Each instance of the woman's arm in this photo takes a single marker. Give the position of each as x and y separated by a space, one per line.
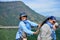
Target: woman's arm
33 24
26 30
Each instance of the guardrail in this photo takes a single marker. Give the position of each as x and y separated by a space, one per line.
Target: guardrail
8 26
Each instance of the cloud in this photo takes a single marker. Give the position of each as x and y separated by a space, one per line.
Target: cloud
45 7
10 0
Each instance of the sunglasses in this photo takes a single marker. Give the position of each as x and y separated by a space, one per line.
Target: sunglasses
54 21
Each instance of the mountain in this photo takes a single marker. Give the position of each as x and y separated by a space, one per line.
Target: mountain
58 18
10 11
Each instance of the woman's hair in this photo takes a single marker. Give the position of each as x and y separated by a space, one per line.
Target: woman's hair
45 21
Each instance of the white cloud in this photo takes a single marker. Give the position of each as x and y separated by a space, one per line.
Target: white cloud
50 7
10 0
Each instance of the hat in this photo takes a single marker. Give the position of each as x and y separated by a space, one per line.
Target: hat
23 14
52 17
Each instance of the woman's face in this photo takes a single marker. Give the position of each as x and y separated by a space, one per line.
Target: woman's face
24 18
52 21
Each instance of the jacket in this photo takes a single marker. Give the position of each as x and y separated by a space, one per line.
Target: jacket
45 33
25 26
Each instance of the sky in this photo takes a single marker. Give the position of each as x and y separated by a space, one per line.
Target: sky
43 7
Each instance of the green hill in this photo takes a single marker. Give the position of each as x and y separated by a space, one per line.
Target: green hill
9 13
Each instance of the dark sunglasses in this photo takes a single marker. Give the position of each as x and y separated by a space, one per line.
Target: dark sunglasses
54 21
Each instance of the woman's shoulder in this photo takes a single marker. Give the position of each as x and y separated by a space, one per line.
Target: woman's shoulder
45 26
21 22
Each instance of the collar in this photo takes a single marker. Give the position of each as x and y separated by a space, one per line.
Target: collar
51 25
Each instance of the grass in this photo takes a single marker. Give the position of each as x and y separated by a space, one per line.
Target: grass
9 34
58 34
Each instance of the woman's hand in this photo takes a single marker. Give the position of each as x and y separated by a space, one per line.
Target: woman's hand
55 26
39 26
36 32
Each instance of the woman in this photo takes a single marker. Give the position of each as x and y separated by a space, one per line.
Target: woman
25 27
46 31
